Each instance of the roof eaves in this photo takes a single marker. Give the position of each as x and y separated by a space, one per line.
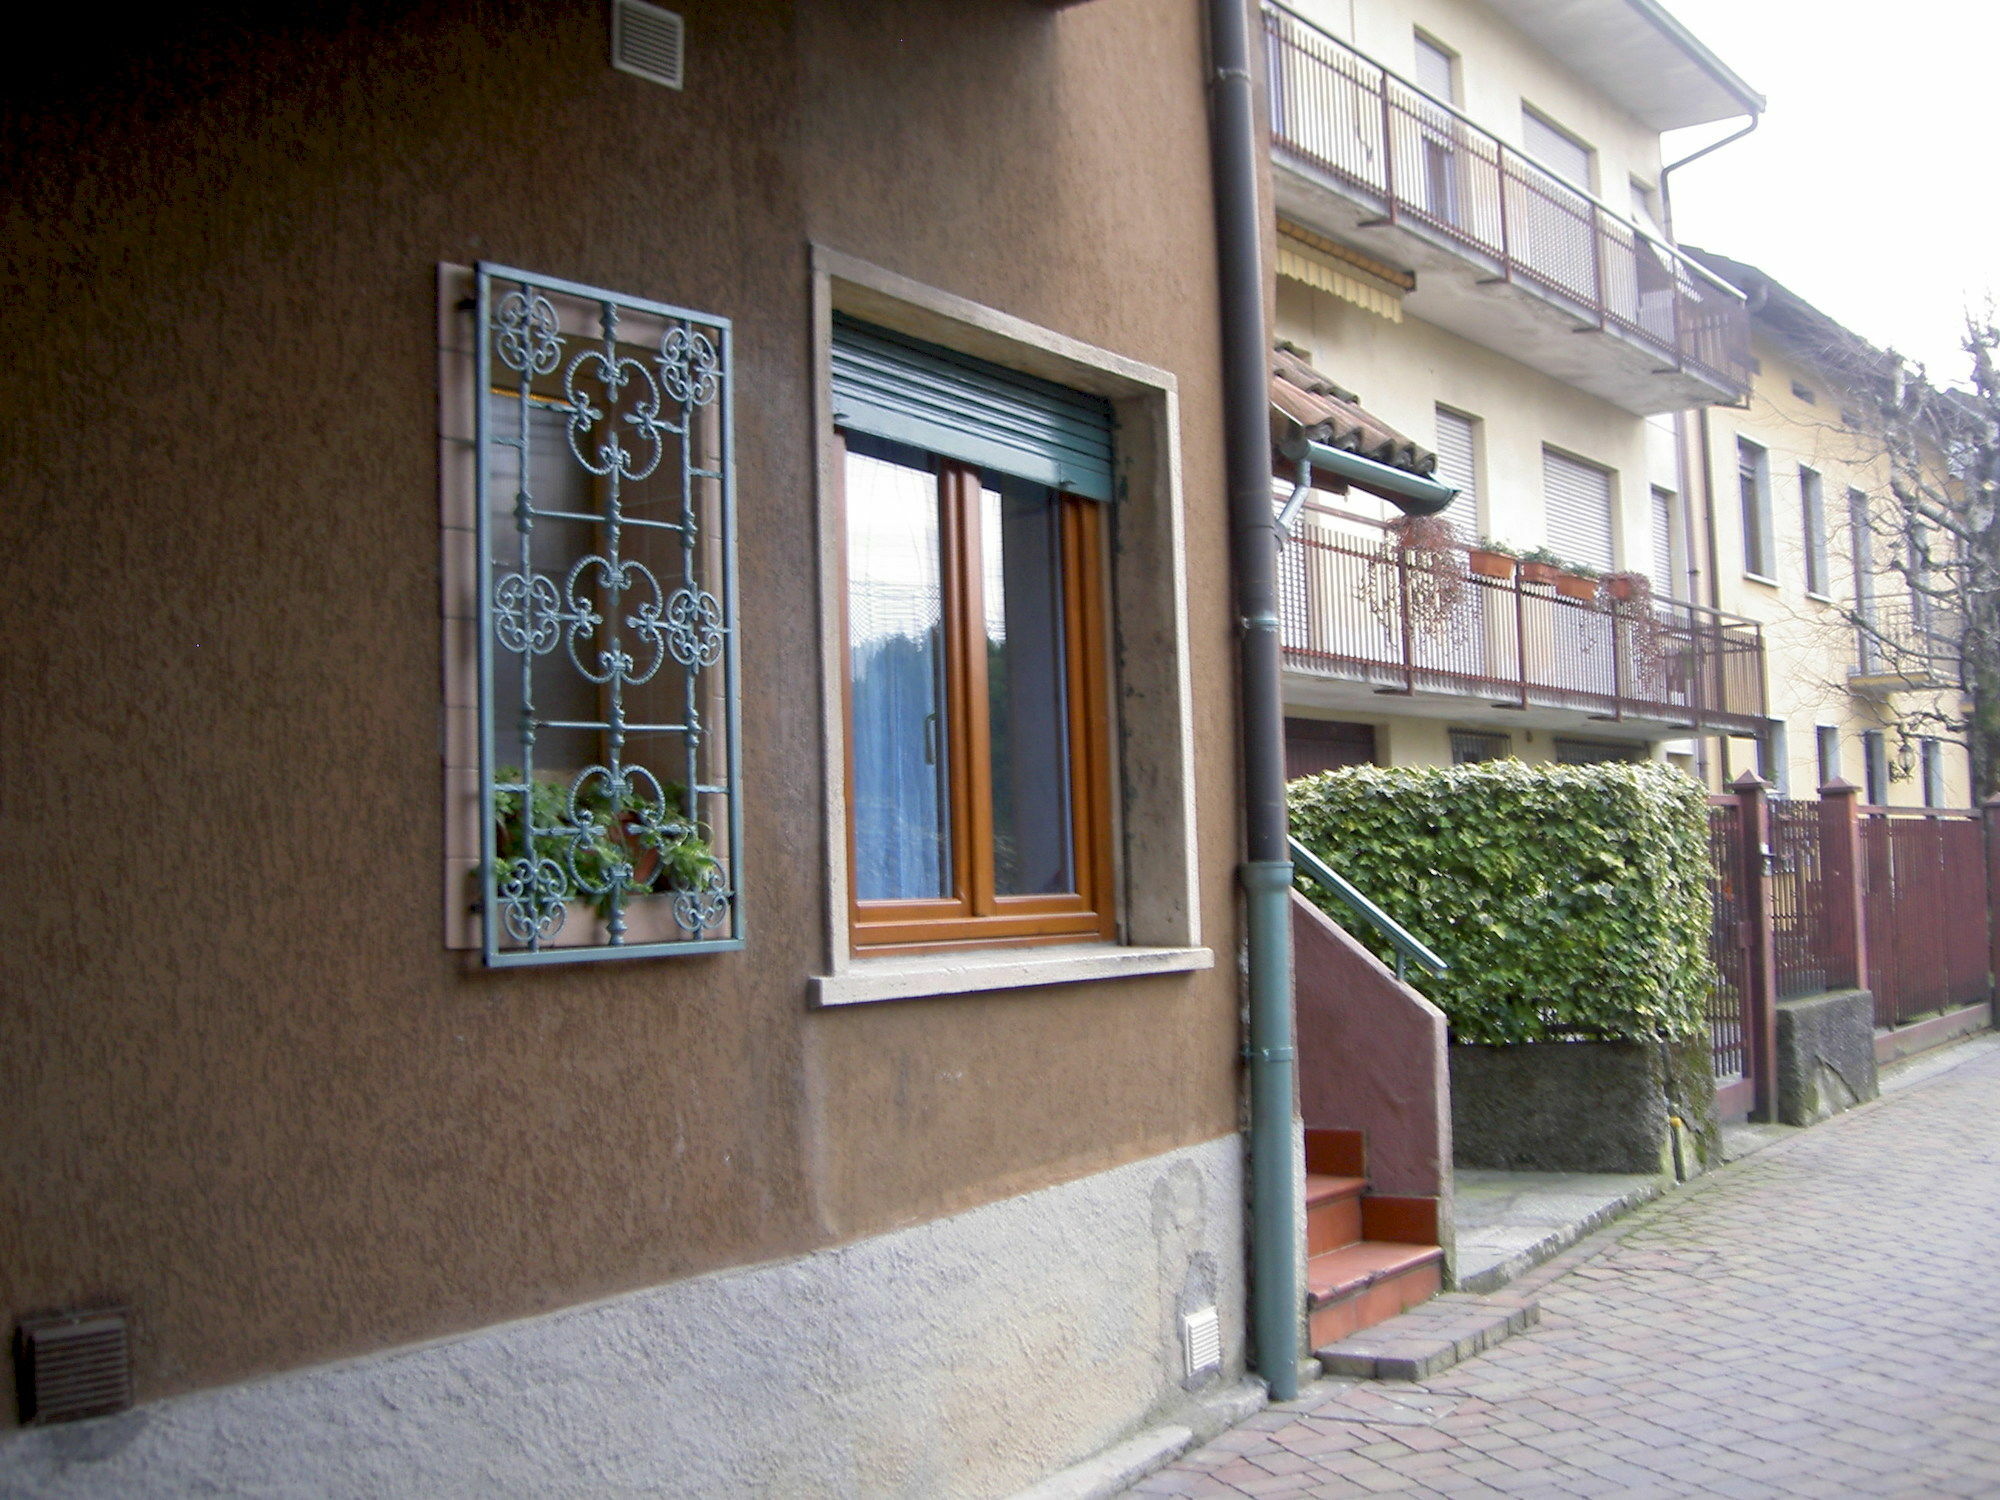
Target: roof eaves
1697 52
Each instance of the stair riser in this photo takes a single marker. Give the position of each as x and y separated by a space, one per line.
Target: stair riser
1331 1225
1383 1300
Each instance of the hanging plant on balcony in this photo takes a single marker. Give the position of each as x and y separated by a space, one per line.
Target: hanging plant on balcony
1630 595
1421 562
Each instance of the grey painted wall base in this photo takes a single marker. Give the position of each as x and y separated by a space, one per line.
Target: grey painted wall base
1583 1106
1826 1055
970 1356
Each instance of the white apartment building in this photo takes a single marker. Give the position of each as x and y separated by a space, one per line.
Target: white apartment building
1471 241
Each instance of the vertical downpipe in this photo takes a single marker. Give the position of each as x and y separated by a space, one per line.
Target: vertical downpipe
1277 1298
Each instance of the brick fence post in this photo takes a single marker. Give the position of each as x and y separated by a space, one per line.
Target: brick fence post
1760 993
1843 891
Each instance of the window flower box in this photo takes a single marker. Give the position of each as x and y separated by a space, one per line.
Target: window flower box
1580 586
1485 564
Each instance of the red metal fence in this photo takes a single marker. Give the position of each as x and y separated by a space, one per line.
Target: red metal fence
1357 609
1927 911
1827 895
1414 157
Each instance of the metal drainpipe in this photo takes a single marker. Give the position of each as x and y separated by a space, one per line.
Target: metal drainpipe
1277 1298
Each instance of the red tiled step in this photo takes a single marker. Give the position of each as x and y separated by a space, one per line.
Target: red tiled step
1333 1211
1359 1285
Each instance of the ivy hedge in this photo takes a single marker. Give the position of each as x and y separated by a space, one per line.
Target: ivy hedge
1571 902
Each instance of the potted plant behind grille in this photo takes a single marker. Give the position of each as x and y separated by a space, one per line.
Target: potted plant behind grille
1631 596
1541 566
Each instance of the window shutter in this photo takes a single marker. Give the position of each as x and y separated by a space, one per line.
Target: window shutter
1433 74
1457 468
1663 543
1562 154
1579 510
891 386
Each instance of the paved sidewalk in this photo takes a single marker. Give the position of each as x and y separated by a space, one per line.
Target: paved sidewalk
1821 1319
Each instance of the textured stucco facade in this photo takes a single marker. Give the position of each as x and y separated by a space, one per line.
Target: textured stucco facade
945 1359
251 1094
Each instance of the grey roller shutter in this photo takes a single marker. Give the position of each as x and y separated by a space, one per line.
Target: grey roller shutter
1556 149
1579 510
900 388
1458 468
1663 543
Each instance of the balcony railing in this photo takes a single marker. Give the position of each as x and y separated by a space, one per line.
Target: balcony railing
1906 644
1410 157
1362 611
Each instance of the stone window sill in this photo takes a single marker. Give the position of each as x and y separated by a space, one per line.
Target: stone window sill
977 970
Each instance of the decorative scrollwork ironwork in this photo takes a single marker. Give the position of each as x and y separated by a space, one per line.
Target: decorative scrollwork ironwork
689 368
611 533
527 613
694 628
527 333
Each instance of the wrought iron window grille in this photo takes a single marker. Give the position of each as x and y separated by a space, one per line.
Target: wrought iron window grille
608 675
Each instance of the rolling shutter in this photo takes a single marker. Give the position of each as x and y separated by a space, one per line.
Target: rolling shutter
1457 467
908 391
1556 149
1578 496
1663 543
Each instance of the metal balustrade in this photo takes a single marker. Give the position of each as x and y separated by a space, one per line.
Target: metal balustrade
1412 158
1362 610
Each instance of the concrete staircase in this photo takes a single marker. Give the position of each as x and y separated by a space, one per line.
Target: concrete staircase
1368 1256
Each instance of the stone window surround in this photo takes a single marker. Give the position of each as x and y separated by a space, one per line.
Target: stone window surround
1153 835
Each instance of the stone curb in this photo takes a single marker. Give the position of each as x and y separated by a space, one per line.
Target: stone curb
1119 1467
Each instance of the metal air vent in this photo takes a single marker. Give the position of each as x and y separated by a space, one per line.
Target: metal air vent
647 41
72 1365
1201 1340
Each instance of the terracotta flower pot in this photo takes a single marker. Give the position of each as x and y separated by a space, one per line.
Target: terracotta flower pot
1576 586
1486 564
1539 572
1621 586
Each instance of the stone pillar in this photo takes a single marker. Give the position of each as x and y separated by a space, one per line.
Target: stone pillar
1760 992
1843 891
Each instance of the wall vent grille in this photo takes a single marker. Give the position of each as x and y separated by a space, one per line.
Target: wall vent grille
1201 1340
647 41
72 1365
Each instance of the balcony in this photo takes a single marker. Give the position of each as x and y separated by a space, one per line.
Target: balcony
1361 618
1908 645
1505 253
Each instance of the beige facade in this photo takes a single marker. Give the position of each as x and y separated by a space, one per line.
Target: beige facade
1799 431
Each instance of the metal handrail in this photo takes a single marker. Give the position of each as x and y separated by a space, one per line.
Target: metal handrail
1407 945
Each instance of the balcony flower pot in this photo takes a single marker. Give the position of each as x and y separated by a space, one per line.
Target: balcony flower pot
1485 564
1539 572
1578 586
1622 588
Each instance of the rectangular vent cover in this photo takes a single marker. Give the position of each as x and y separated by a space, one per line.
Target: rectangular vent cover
647 41
1201 1340
68 1366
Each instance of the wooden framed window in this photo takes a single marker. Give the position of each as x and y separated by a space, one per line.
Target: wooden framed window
977 720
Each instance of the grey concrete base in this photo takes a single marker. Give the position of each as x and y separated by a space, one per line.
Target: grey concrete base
1510 1222
967 1357
1123 1465
1826 1055
1584 1107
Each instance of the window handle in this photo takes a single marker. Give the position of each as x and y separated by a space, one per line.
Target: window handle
930 739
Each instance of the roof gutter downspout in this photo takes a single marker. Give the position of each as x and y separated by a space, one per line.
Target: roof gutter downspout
1666 191
1277 1310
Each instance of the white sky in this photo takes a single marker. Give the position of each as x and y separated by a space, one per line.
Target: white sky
1872 187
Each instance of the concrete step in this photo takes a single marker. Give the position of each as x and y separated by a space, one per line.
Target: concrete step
1428 1339
1360 1285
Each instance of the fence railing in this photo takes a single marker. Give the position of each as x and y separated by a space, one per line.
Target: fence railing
1915 640
1373 612
1416 158
1825 894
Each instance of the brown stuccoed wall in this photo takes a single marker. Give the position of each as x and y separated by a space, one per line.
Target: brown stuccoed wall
245 1088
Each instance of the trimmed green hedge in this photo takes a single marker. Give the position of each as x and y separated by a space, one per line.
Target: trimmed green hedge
1569 901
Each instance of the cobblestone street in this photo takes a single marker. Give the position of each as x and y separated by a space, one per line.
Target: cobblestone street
1820 1319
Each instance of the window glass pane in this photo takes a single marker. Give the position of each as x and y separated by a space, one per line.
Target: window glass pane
1027 706
896 658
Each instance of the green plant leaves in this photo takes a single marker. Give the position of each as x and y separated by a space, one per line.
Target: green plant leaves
1570 901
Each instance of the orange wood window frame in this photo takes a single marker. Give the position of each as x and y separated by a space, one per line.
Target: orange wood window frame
976 914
